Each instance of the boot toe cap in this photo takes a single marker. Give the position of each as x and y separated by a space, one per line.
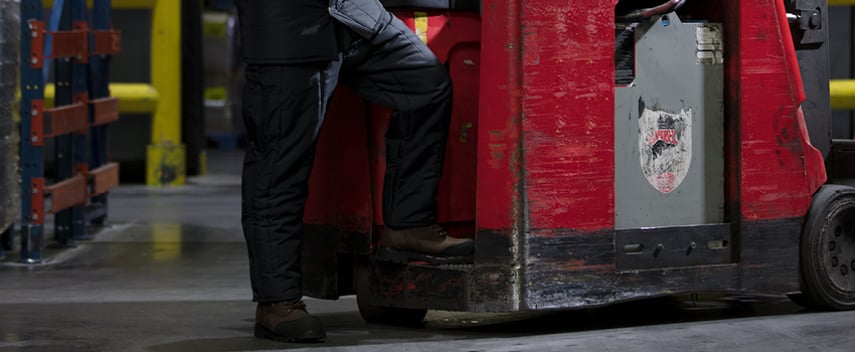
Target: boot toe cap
462 249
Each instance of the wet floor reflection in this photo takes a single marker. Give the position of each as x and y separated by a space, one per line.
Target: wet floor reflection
455 329
170 273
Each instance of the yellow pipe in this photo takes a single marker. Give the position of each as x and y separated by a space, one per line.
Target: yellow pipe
841 2
134 98
117 4
166 156
843 94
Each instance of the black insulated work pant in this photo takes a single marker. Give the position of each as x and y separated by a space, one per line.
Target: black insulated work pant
284 107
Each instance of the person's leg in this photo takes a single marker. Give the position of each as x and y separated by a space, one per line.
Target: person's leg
284 106
397 70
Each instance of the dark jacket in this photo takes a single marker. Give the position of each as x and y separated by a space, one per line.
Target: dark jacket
286 31
295 31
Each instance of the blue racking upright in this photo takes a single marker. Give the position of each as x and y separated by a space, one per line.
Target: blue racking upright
81 179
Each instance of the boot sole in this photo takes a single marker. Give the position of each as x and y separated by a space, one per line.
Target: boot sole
309 336
404 257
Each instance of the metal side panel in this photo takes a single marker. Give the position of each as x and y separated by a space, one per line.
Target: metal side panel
669 128
810 34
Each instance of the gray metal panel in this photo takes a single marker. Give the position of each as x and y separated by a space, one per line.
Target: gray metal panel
811 40
669 128
840 45
134 63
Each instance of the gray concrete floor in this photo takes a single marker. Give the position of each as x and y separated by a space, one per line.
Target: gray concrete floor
170 274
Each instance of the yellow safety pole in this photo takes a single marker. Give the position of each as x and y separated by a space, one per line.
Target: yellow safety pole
843 94
134 98
116 4
166 158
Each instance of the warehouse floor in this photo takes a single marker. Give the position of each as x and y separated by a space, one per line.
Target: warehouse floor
170 274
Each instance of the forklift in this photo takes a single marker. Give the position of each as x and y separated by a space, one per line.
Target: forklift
604 151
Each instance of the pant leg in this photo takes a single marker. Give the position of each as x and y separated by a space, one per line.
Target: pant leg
284 106
396 69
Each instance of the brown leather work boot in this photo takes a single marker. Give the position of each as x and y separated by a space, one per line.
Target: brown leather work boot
287 322
429 243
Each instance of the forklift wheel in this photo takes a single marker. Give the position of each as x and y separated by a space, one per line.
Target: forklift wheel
828 250
383 315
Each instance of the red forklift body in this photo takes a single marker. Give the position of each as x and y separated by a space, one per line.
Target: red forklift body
530 170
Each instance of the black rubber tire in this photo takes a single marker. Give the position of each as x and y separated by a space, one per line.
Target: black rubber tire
828 250
383 315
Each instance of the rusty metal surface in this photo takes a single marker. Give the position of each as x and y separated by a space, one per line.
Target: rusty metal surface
9 135
67 193
770 264
104 178
66 119
107 42
105 110
413 286
70 44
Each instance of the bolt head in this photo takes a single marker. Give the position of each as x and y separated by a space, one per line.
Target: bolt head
834 262
815 21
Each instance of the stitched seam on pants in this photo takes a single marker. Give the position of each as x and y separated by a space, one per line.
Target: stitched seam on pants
265 223
406 33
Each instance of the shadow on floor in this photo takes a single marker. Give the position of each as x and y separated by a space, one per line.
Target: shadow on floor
347 329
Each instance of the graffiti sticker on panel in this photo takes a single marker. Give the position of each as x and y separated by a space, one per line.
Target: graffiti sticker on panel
665 147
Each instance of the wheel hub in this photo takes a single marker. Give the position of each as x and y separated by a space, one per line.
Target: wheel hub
840 256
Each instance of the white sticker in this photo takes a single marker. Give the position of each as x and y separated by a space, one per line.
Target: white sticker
665 145
710 45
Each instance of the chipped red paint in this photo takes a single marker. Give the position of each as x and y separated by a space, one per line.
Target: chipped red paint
542 147
779 168
568 123
499 154
446 30
547 112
